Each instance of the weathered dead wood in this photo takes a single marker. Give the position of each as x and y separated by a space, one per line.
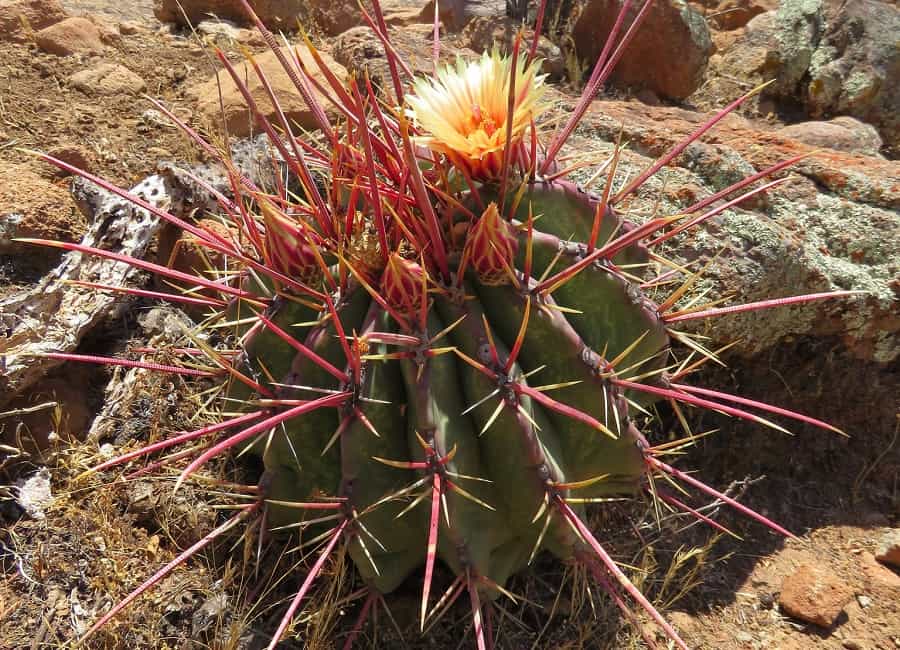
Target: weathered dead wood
55 315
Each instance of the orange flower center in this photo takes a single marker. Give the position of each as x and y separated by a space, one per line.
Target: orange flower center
483 122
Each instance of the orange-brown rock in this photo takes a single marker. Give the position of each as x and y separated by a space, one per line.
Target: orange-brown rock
107 78
32 206
70 36
20 17
668 56
237 117
814 595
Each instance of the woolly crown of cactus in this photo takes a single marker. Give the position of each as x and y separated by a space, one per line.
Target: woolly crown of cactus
432 370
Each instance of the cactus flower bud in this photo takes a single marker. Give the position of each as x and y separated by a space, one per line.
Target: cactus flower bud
288 246
403 284
491 247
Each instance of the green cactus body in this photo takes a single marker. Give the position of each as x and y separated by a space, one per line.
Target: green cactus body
388 545
505 451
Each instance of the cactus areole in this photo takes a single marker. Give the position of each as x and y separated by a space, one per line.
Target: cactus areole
442 345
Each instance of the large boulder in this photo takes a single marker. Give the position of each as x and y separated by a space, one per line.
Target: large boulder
325 17
834 225
668 56
331 18
237 117
828 58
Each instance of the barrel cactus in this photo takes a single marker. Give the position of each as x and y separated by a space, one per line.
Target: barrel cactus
443 347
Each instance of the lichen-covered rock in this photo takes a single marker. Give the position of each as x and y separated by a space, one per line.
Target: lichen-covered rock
831 57
856 66
834 225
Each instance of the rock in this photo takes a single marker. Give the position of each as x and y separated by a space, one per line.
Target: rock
228 31
130 28
70 36
482 34
276 14
879 577
814 595
18 17
34 494
842 133
668 56
889 548
238 120
32 206
456 14
70 388
332 18
743 58
109 30
325 17
833 226
734 14
840 57
107 79
179 250
75 155
219 27
360 52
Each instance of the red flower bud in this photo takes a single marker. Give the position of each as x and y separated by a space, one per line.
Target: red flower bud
403 284
288 246
491 247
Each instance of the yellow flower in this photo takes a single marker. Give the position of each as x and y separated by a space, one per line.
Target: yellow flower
463 112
